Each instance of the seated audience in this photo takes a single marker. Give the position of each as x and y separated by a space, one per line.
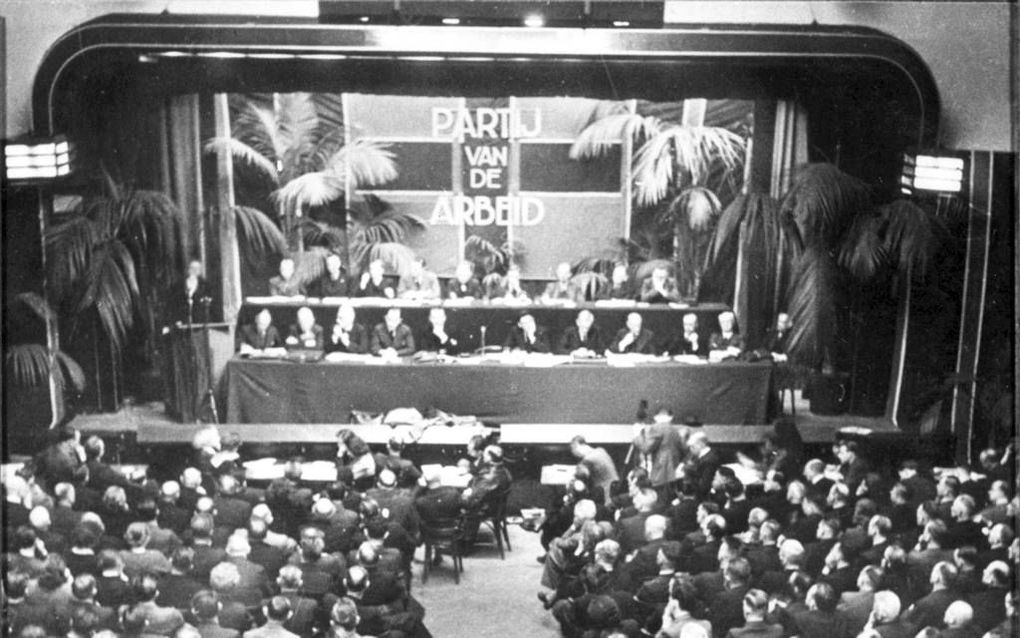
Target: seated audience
392 337
659 287
305 334
418 283
286 284
633 338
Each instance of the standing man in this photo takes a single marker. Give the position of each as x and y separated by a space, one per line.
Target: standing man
634 338
392 337
600 465
184 301
661 445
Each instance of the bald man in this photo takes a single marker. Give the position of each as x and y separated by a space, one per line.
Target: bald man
261 334
634 338
305 334
583 339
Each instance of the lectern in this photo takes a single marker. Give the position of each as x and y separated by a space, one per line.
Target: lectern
196 356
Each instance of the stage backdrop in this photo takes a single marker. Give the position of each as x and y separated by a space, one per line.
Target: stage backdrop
498 168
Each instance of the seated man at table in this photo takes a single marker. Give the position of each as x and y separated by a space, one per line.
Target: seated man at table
286 284
527 336
583 339
464 285
305 334
347 335
776 341
508 288
689 342
728 342
563 289
485 489
436 337
620 285
333 282
418 283
633 338
392 337
260 335
373 283
659 287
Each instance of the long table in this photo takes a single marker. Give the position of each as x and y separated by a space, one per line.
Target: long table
465 320
280 392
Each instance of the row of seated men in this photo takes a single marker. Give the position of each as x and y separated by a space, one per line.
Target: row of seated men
822 553
186 297
91 553
584 339
420 283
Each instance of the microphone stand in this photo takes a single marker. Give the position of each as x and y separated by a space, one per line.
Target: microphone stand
210 391
192 380
483 342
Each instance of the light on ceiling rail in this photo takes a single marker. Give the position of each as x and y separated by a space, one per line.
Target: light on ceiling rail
38 159
934 172
534 21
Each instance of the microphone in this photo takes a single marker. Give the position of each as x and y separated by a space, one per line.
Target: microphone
483 328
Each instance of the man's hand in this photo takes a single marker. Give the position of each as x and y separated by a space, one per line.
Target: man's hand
365 278
627 340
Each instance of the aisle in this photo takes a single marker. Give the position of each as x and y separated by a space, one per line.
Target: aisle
495 598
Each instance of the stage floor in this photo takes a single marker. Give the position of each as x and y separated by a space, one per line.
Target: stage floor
149 425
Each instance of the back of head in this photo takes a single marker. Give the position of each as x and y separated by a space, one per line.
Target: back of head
958 614
290 577
738 571
84 586
278 608
344 614
756 603
886 606
183 559
145 587
824 597
137 535
205 605
224 577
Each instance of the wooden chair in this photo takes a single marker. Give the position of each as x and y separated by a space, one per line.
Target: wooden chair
493 514
443 537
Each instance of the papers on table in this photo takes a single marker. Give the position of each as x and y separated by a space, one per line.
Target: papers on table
276 299
616 303
557 474
347 357
630 359
692 359
450 475
746 475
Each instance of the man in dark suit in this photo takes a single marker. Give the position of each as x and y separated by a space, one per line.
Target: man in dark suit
702 461
392 337
464 285
171 516
373 283
270 557
583 339
63 517
438 502
437 338
854 607
63 461
726 610
253 585
206 555
397 501
661 445
634 338
820 619
689 341
231 512
659 287
184 300
347 335
630 531
177 587
929 610
777 338
206 607
261 334
305 334
303 610
334 282
816 482
527 336
727 340
755 608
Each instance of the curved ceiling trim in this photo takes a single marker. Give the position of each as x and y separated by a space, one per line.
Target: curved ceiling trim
194 34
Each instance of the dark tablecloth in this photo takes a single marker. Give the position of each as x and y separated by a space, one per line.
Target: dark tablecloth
271 391
463 322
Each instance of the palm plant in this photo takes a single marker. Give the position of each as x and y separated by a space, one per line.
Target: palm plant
377 231
31 364
847 241
113 258
673 170
492 260
302 155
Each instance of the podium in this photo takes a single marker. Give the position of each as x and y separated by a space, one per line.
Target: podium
192 354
